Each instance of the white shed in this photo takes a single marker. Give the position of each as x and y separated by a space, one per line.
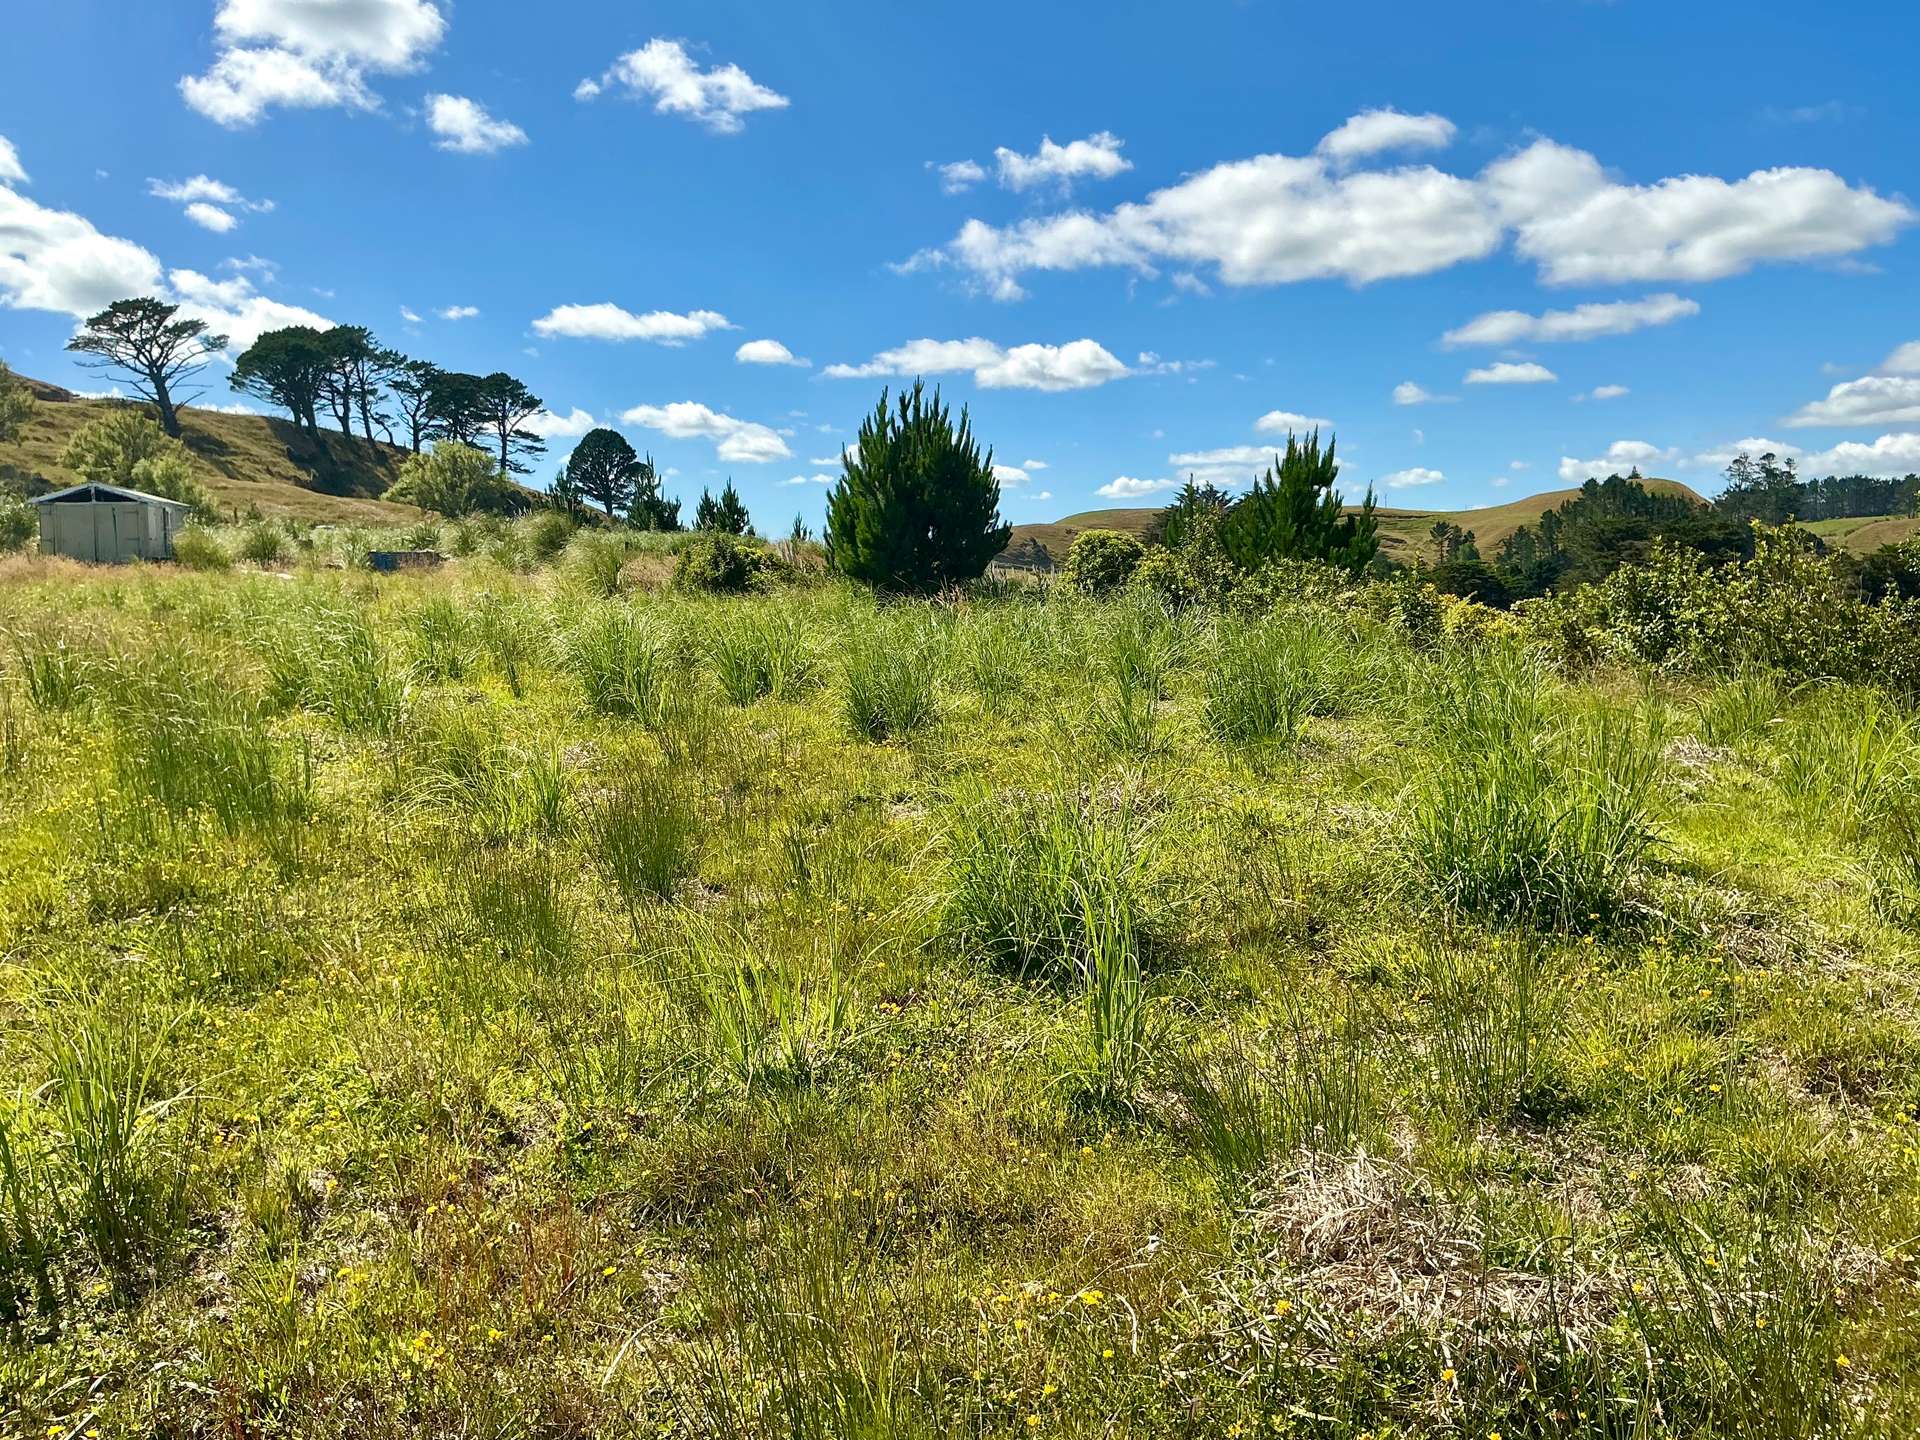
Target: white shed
108 524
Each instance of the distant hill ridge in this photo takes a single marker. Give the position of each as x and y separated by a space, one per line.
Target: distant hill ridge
246 462
1402 532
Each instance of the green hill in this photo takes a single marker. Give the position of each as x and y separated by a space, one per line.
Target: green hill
246 462
1403 533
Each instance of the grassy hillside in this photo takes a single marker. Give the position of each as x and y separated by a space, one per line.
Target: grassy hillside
246 462
1862 534
1403 533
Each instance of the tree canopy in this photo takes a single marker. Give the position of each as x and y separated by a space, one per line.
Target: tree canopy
144 340
917 508
1294 513
725 512
605 470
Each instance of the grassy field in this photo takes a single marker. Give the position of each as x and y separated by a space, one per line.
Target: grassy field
471 1004
246 463
1863 534
1404 534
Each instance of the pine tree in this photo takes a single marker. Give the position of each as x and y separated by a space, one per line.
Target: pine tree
1294 513
919 509
604 469
726 513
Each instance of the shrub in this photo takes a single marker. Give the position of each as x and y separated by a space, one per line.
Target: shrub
262 543
1164 575
721 563
125 448
548 533
200 549
1100 562
453 480
19 524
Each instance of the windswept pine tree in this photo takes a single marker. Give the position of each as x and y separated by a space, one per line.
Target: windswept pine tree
1294 513
918 507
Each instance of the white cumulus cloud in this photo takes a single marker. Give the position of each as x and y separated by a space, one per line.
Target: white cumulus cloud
1622 456
1870 400
1506 372
210 217
1408 393
459 312
1407 479
464 127
767 352
1097 157
607 321
662 71
1889 455
1373 131
1274 219
1607 392
12 172
741 441
1077 365
1127 487
1903 361
1583 322
1285 422
308 54
207 202
549 425
959 176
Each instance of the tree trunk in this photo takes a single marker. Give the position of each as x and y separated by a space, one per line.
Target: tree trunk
169 417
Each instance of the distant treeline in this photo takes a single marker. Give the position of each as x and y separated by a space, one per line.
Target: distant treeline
1619 521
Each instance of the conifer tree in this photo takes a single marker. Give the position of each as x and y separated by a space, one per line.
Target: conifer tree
604 469
726 513
918 507
1294 513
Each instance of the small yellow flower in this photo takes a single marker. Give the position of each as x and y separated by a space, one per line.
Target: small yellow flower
496 1334
1281 1307
1033 1422
1106 1354
1446 1375
610 1270
1843 1362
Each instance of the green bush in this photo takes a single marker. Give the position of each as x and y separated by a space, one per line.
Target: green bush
1164 575
1101 561
19 524
721 563
261 543
125 448
199 549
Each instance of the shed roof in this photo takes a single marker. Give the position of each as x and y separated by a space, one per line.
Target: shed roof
109 493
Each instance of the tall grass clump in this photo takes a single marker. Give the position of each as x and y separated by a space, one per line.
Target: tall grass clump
1119 1037
644 834
441 641
328 660
1304 1083
510 638
509 790
121 1141
57 674
1742 709
194 742
761 652
1743 1323
620 659
891 681
1265 677
1491 1016
1850 754
1025 871
768 1020
1528 813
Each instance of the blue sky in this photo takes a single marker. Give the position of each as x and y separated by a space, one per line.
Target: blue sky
1498 246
